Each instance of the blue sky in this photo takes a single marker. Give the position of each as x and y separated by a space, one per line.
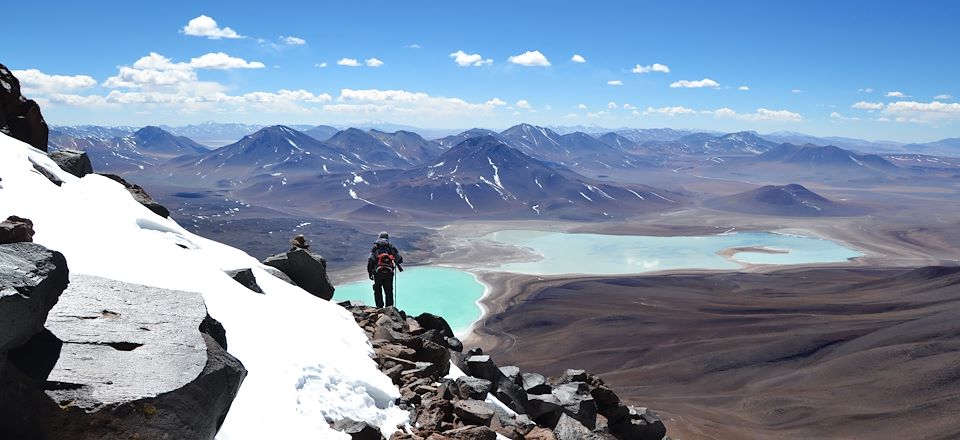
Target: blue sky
869 69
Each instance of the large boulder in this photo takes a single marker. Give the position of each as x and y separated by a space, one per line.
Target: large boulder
140 195
306 269
119 361
16 230
73 162
20 117
32 278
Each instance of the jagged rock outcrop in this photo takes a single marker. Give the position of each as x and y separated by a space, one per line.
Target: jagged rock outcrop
306 269
140 195
73 162
119 361
575 405
246 278
16 230
31 280
20 117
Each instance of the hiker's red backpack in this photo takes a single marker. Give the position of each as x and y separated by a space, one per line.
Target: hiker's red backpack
385 260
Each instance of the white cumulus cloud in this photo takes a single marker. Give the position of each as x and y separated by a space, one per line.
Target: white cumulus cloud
761 114
628 107
582 106
701 84
293 41
896 94
863 105
656 67
614 82
530 59
35 81
923 112
577 58
204 26
743 88
464 59
669 111
943 97
523 104
321 65
496 102
220 60
839 117
611 105
349 62
373 62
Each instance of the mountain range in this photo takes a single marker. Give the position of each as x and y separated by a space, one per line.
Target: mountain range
523 171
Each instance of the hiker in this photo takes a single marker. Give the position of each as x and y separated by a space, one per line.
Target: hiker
299 242
384 259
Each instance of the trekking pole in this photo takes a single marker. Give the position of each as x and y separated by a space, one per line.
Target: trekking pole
395 289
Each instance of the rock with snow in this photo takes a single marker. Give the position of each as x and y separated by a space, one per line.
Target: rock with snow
31 280
16 230
308 270
73 162
358 430
120 360
246 278
140 195
20 117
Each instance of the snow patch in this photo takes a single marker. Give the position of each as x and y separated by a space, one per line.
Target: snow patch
307 359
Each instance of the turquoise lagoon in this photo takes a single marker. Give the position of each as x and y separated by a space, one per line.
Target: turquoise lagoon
454 293
450 293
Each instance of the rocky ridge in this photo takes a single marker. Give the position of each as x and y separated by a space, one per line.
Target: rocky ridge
487 400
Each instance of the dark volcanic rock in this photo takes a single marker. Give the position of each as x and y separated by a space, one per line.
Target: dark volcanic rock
32 278
469 387
534 383
430 321
357 430
473 412
569 429
642 424
577 402
306 269
119 361
20 117
16 230
471 433
246 278
73 162
140 196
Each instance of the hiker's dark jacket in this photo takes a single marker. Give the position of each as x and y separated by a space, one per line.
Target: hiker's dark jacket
382 245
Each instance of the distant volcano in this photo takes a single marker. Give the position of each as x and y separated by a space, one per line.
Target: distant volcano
791 200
